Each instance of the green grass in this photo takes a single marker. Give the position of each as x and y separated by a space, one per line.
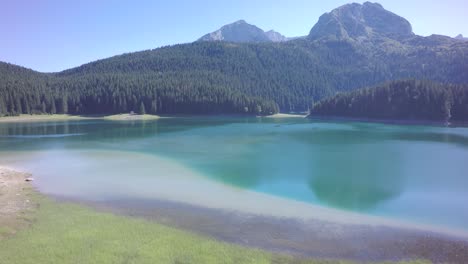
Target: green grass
68 233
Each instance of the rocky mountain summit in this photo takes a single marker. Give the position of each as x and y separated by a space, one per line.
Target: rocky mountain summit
358 21
241 31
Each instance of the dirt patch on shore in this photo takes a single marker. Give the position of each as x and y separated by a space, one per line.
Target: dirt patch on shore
16 202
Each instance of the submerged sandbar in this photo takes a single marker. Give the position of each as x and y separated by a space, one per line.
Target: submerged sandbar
112 175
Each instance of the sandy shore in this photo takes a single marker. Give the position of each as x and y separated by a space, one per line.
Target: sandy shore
15 201
286 116
41 118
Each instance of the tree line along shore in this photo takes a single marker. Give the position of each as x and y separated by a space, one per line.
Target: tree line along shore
399 100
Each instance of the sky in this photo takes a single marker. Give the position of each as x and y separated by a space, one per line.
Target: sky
54 35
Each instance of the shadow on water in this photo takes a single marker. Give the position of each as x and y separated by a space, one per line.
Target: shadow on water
359 167
345 182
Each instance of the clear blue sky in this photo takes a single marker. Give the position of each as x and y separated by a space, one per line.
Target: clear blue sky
53 35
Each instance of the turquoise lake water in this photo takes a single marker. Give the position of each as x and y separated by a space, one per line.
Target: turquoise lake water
416 173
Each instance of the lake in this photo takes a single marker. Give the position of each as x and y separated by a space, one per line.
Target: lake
417 174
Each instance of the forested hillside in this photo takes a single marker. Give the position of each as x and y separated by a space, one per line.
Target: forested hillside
250 78
399 100
27 92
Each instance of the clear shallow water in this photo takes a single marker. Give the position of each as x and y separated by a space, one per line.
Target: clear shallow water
406 172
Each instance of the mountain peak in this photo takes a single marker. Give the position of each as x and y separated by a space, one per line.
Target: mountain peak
376 5
241 31
461 37
241 21
357 21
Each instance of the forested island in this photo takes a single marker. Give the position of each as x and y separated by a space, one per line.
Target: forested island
399 100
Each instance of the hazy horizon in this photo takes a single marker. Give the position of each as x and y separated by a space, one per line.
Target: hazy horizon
53 36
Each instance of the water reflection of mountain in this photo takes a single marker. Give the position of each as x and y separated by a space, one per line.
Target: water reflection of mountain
353 169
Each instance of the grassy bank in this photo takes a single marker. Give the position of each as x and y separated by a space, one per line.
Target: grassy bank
68 233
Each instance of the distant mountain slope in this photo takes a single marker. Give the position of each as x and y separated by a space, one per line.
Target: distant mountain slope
399 100
240 31
254 78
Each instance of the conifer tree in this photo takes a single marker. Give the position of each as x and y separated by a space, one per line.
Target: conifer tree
142 110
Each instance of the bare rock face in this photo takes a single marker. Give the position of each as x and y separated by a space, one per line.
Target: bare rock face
356 21
240 31
275 36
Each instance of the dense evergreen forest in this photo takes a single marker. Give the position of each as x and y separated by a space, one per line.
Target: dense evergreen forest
27 92
400 100
220 77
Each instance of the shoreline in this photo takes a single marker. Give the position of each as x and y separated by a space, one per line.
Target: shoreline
316 239
44 118
283 115
303 238
51 231
25 118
